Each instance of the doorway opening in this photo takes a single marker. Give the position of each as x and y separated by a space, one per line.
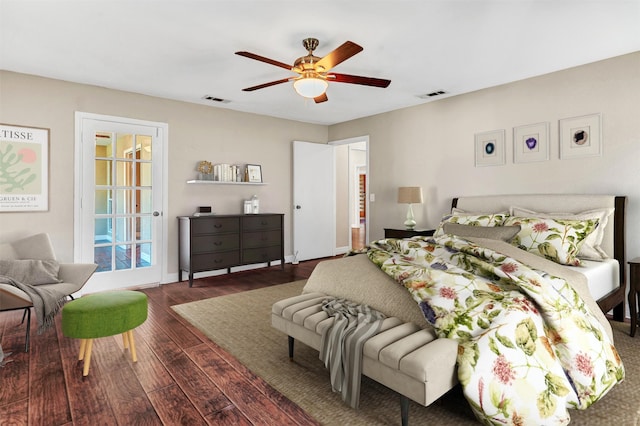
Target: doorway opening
352 189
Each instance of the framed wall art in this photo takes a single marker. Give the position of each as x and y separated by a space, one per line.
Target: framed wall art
24 168
531 143
490 150
580 136
254 173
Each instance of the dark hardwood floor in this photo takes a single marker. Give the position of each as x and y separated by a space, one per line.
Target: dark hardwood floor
181 377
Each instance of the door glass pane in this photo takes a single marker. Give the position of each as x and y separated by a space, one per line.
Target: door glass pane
144 174
102 256
103 201
123 173
123 204
124 145
145 205
103 172
123 229
104 147
143 255
143 145
144 228
123 256
102 231
124 201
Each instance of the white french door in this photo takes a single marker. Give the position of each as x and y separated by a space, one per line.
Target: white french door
120 187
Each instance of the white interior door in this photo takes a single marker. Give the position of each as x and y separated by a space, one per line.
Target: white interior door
120 224
314 214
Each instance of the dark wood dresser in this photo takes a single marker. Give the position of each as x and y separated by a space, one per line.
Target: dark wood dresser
208 243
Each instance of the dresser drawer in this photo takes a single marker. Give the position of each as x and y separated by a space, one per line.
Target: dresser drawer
261 239
214 225
259 255
214 242
261 223
211 261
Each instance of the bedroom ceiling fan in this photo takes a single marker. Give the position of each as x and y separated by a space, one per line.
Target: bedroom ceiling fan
314 76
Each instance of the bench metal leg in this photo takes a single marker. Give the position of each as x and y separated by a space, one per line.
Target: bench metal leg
404 410
27 313
291 341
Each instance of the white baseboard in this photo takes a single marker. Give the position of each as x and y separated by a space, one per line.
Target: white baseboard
342 250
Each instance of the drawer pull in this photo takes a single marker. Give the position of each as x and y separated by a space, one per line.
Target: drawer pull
217 225
217 243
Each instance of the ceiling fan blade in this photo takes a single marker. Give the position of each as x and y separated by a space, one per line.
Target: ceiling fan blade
341 54
356 79
321 98
263 59
271 83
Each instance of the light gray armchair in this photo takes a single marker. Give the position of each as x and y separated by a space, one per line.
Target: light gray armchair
72 275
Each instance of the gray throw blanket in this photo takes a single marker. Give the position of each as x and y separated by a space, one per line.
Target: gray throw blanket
46 301
342 344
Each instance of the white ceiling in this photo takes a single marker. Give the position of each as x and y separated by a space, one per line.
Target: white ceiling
184 49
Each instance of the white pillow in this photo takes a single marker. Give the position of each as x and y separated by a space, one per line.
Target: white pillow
590 248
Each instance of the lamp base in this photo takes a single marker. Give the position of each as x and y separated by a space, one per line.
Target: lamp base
410 223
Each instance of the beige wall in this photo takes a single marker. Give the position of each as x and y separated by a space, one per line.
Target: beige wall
432 145
196 133
413 146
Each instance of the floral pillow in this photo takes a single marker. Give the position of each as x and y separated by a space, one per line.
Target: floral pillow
591 248
558 240
482 219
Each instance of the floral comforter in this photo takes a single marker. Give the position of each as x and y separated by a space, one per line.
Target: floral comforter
529 347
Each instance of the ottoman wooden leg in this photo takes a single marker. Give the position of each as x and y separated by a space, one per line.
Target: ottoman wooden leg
132 345
87 357
83 346
125 340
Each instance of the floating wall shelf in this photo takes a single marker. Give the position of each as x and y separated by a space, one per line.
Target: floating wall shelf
216 182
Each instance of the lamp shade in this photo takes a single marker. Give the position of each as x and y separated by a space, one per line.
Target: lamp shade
410 195
310 87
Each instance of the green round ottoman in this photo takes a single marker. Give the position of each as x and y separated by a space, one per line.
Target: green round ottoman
101 315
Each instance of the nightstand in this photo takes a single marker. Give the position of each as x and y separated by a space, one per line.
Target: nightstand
406 233
634 292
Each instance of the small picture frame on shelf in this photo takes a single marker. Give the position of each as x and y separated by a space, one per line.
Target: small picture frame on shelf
254 173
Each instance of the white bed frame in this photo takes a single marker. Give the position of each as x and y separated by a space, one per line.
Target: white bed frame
614 234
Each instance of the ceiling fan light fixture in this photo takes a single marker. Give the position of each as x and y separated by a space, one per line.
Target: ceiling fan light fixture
310 87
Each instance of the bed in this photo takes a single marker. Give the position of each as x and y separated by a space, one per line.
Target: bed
600 283
607 279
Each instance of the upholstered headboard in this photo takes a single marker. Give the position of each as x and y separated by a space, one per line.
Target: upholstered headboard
614 234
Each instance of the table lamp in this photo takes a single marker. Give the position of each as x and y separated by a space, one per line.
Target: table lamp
410 195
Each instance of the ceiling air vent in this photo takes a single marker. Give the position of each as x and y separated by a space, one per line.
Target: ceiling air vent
432 94
215 99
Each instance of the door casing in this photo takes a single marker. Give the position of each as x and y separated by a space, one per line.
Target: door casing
80 182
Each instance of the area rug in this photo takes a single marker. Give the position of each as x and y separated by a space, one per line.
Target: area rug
241 324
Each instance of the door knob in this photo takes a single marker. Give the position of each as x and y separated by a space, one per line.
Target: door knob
298 206
156 213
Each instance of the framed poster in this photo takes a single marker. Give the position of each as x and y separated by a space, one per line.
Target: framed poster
490 148
24 168
531 143
580 137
